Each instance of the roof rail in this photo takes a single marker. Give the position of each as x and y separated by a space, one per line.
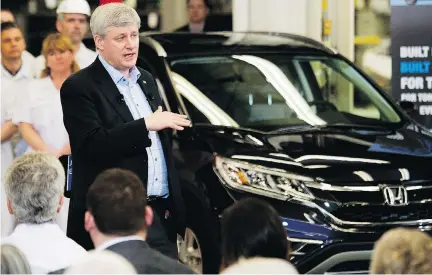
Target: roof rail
311 41
306 39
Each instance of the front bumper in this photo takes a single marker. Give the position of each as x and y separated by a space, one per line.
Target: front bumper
323 243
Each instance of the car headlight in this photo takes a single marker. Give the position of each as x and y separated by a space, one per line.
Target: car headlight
261 180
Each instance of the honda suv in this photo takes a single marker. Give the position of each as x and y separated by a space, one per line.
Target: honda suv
286 119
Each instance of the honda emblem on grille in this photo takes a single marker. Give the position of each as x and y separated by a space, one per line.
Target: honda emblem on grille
395 196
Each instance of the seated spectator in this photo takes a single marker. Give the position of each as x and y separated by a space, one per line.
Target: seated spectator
40 116
252 228
13 261
34 186
402 251
261 266
117 219
102 262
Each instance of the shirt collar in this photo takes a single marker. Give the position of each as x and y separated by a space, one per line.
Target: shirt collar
196 27
117 240
46 226
116 75
24 71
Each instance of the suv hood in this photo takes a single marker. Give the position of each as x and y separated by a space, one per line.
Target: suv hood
331 156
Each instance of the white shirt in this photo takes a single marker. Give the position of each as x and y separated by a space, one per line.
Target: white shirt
42 108
28 57
6 146
114 241
84 57
12 87
45 246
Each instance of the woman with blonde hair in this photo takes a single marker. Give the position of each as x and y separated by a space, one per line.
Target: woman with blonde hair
39 114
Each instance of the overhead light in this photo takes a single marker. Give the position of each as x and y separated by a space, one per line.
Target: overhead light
51 4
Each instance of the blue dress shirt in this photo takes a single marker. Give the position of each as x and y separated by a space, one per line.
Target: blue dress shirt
157 183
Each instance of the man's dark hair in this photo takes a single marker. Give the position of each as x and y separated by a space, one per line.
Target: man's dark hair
117 200
206 3
252 228
8 25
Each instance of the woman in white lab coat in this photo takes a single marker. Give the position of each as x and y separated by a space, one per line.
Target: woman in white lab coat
40 115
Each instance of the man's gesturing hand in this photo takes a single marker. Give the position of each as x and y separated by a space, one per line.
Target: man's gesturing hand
161 120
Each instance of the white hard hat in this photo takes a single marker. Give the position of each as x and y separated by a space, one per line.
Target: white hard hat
74 6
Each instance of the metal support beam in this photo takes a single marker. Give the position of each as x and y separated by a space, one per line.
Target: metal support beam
286 16
174 14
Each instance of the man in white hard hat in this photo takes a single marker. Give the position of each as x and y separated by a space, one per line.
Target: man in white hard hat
72 21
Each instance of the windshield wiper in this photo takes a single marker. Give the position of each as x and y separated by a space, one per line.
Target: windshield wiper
332 127
356 126
294 129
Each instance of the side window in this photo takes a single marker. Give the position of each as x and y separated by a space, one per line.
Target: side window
342 93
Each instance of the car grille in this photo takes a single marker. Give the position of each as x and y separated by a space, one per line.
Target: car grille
384 213
350 197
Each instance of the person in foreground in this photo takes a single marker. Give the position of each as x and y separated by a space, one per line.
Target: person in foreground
113 115
252 228
117 220
34 186
260 265
13 260
402 251
101 262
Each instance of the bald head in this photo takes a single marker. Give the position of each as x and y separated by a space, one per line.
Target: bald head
6 16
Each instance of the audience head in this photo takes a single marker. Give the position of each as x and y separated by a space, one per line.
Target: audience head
59 55
402 251
260 265
197 10
115 29
13 261
102 262
117 206
34 186
12 41
252 228
6 16
72 19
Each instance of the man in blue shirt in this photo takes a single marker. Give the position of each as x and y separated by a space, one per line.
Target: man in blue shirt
112 112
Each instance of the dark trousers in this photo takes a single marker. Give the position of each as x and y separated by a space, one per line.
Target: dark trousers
162 234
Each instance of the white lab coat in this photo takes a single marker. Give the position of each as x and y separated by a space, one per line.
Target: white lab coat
45 247
84 57
12 89
42 108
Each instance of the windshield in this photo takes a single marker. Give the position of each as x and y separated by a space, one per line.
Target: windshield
268 92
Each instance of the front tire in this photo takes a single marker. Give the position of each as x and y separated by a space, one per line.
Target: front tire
197 247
